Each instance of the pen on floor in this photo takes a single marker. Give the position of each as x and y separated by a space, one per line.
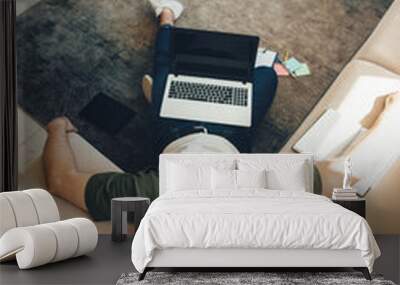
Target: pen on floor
284 66
286 55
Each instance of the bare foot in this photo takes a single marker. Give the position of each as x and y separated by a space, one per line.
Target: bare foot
147 86
167 17
61 124
168 11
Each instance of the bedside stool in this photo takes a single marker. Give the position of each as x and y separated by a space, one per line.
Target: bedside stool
357 206
120 207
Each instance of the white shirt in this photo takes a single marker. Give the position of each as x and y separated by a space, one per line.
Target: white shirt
200 143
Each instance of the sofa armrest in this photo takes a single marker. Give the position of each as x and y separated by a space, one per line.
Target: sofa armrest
88 159
382 47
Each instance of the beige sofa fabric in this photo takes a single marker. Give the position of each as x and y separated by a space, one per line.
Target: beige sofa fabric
88 158
373 73
383 45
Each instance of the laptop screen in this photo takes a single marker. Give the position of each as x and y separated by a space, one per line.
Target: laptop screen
214 54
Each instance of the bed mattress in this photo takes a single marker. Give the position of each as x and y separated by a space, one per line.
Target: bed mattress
250 219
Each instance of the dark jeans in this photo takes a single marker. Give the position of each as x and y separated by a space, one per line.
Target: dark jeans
166 130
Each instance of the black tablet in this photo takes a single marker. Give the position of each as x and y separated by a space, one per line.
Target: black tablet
107 114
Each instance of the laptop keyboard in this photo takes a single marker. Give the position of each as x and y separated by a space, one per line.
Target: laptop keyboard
208 93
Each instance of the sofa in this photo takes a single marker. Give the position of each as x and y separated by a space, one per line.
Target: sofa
373 71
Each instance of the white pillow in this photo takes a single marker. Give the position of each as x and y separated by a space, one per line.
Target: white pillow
251 179
237 179
284 174
289 179
181 178
223 179
184 175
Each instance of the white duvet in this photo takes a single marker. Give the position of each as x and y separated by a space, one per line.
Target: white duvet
250 219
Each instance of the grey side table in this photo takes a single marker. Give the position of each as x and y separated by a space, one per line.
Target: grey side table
120 207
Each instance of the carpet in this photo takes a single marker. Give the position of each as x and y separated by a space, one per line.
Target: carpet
270 278
71 50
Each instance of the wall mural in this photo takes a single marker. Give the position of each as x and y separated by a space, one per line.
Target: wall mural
92 76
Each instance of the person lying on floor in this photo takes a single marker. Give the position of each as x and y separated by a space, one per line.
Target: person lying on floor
92 191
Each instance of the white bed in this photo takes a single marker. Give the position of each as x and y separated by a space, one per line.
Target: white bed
251 226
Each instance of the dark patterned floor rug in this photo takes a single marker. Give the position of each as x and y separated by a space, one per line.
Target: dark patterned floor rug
71 50
243 278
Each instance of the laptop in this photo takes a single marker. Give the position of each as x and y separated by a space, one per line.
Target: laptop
211 77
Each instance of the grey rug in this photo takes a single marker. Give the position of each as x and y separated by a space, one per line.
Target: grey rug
71 50
270 278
